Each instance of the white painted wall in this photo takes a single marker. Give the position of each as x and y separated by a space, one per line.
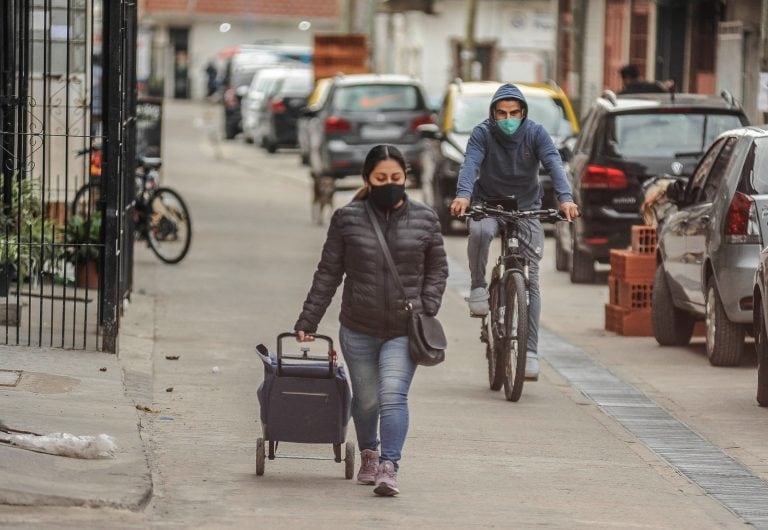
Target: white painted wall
524 32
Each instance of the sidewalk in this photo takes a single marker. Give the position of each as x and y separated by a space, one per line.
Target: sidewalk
74 392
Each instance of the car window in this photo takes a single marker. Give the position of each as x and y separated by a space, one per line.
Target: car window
667 134
377 98
547 113
699 177
756 167
718 171
470 111
298 82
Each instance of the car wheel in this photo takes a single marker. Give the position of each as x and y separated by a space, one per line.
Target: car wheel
582 266
671 326
725 339
271 146
761 348
561 256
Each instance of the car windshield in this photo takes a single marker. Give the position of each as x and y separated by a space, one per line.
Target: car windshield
469 111
667 134
377 98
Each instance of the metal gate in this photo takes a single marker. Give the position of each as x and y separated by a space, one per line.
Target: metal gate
67 141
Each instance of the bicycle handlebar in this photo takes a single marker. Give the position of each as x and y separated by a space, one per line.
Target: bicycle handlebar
480 211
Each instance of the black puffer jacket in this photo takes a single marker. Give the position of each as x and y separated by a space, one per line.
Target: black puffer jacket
371 303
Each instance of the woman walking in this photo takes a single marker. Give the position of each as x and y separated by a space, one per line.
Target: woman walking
374 321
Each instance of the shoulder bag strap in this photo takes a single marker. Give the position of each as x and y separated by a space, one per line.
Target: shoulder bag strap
387 254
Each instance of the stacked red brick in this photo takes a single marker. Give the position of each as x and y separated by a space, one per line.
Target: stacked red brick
630 284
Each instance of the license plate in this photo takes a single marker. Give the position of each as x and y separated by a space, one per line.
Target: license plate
380 132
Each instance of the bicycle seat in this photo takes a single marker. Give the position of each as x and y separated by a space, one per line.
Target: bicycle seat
151 162
507 202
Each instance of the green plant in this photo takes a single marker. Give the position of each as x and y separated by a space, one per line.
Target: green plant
83 237
26 238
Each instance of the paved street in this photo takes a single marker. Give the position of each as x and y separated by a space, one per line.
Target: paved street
556 459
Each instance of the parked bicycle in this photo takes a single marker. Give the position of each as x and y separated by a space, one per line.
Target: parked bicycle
505 329
160 215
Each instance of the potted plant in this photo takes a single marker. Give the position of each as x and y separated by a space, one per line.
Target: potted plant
83 237
27 240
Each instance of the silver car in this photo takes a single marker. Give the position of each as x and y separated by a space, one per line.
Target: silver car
709 248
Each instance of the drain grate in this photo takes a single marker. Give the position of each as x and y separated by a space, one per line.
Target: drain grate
704 464
10 377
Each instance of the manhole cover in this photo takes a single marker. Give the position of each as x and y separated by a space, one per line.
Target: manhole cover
10 377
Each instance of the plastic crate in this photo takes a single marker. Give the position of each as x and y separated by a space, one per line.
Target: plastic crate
644 239
629 294
628 322
631 266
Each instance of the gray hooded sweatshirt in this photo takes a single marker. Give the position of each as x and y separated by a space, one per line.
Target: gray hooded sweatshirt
499 164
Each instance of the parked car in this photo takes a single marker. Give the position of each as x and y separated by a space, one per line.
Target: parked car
280 109
624 141
708 249
363 110
315 101
238 73
261 87
465 105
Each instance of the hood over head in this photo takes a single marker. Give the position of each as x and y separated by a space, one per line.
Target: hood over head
508 91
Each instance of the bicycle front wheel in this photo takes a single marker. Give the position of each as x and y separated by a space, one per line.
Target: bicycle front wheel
514 345
169 227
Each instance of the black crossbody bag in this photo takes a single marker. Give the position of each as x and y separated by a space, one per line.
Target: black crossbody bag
426 338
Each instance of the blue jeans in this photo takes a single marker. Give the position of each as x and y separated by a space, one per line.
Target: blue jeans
531 237
381 372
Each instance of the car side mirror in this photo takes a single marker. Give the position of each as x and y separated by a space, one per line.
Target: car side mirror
676 192
429 131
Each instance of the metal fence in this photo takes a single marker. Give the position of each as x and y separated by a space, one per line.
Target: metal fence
67 112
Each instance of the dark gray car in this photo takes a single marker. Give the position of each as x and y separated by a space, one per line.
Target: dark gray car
709 248
361 111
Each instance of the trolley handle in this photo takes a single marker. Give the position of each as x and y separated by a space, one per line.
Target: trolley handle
305 352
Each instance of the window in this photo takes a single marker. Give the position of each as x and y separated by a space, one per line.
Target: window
377 98
756 166
718 171
699 176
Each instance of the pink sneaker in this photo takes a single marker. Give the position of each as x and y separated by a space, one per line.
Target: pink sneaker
386 480
369 462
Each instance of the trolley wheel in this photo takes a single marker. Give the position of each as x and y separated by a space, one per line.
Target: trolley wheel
260 457
349 461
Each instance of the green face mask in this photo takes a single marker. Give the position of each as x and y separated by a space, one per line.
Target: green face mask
510 125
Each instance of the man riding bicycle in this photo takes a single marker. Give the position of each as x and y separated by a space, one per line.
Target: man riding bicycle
502 158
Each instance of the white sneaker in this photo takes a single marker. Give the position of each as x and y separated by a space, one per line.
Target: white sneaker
532 367
478 302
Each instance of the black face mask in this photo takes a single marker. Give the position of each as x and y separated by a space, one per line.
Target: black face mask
387 196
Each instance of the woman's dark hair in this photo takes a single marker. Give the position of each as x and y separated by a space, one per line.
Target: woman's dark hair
380 153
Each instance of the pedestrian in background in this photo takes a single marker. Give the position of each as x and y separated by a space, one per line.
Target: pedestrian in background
374 320
633 83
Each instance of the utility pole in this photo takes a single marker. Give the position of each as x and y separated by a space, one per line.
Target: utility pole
763 48
579 14
468 49
348 15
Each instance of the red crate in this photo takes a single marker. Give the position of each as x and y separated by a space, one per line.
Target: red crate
627 265
644 239
630 294
628 322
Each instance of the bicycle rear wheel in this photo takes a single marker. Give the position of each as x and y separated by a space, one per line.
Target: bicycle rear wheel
86 201
514 345
495 368
169 227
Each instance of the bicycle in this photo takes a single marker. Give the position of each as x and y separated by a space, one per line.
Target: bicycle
160 215
504 330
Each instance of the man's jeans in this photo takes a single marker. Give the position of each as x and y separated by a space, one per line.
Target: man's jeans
531 236
381 372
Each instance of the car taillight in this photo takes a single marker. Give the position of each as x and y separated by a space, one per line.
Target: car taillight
603 177
741 220
230 98
336 124
277 106
421 120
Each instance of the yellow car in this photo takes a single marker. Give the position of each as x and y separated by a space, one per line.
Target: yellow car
464 106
